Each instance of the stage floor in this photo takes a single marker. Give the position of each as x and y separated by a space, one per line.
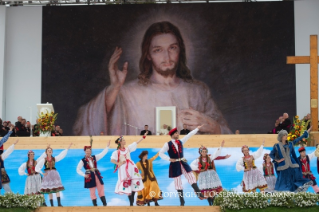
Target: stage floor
131 209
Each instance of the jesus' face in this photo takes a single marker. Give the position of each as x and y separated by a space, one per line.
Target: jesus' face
164 54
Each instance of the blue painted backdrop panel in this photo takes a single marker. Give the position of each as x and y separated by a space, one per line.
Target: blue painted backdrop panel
76 195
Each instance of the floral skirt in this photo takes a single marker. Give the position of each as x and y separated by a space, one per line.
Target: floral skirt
209 183
33 184
271 182
51 183
129 179
253 179
150 193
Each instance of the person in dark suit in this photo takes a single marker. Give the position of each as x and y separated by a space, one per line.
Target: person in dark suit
22 130
184 131
146 130
286 124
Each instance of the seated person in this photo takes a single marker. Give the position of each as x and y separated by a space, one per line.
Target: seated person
184 131
146 131
21 129
164 130
58 131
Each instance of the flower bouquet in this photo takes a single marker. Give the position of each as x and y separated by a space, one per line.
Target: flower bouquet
298 128
46 122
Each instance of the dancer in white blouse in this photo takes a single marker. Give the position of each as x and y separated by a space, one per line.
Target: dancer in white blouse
92 177
253 178
34 179
208 180
129 179
4 178
51 182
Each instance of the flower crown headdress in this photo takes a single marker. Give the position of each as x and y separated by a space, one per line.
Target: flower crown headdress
245 146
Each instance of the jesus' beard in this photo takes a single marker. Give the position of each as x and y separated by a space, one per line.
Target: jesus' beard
167 73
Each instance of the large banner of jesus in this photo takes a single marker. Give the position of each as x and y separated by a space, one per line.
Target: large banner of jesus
107 68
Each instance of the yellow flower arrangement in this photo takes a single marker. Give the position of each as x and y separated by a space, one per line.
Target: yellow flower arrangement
298 128
46 121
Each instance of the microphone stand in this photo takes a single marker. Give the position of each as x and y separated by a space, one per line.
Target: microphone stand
132 127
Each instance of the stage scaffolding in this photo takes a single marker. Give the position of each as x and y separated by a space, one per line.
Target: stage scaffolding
11 3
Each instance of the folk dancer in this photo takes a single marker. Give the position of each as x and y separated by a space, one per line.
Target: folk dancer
129 180
208 179
151 191
305 167
92 177
253 178
51 182
287 165
269 173
5 180
34 179
178 165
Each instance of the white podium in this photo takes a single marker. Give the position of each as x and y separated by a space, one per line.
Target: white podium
45 108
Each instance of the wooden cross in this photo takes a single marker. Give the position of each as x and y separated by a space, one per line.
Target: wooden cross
313 60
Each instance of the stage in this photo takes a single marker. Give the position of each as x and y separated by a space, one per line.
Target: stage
131 209
76 195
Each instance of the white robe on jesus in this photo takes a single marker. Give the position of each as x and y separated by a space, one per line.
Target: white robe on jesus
136 105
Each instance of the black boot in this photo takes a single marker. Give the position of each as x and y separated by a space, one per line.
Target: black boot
212 200
148 204
156 204
44 204
51 202
131 198
94 202
197 191
59 202
181 197
103 201
209 201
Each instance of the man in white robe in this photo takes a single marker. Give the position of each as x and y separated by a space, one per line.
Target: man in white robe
164 80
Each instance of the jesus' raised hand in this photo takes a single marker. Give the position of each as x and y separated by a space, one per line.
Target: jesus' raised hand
117 76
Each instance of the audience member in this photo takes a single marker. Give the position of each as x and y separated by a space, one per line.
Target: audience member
237 132
36 131
286 123
306 119
21 130
102 133
184 131
18 123
146 131
3 131
57 131
5 125
164 130
276 129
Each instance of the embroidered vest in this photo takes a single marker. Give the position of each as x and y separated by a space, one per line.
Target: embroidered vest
173 152
209 164
90 182
48 164
305 165
249 162
31 168
87 163
268 170
146 171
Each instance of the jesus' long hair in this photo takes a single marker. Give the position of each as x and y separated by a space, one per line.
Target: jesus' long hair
145 64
